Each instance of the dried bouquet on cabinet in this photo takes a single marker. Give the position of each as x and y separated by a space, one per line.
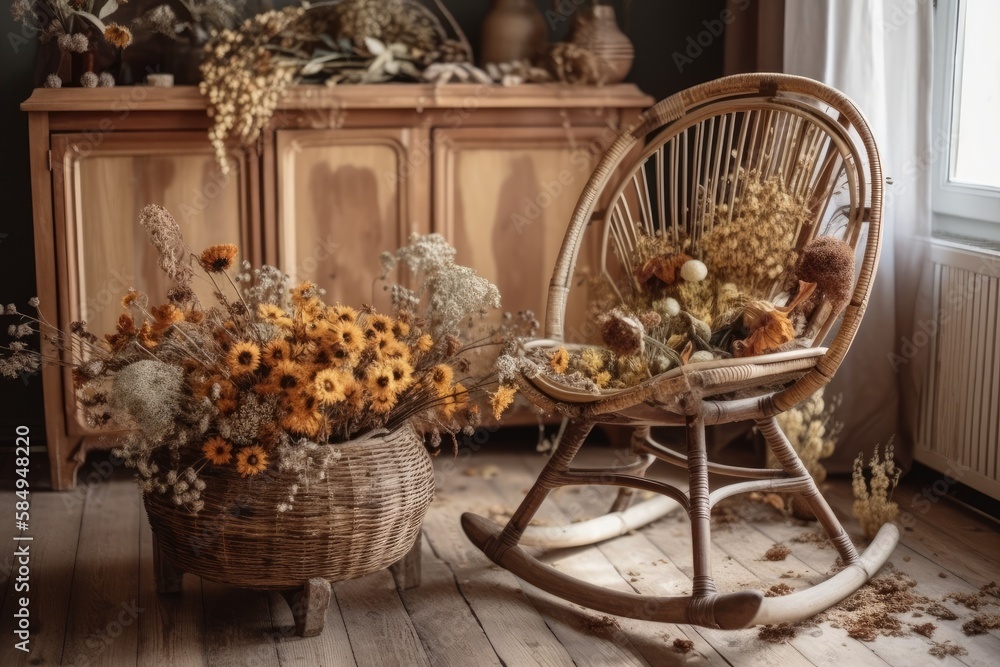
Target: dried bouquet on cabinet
270 376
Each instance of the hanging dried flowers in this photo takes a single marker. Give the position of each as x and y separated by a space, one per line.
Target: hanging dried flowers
247 69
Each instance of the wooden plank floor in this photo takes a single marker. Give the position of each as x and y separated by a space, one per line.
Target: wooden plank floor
93 601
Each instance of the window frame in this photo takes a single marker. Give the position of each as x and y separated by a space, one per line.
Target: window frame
959 209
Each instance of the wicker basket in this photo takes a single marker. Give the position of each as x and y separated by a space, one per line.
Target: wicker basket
362 517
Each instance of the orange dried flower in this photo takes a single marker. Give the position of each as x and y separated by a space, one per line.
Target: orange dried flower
769 327
218 258
118 35
243 358
217 451
251 461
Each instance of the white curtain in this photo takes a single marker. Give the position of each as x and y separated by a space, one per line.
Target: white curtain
878 52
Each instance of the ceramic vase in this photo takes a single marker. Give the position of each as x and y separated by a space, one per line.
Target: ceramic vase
596 30
513 30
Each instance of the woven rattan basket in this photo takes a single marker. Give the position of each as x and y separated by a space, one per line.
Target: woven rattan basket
362 517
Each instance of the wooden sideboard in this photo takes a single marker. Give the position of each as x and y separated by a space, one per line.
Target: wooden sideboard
340 175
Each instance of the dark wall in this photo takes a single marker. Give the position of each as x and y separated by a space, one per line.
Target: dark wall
668 59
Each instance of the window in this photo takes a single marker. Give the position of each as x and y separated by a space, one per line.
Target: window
966 182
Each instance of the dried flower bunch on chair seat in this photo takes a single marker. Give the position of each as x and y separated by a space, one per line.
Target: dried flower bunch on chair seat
725 226
273 418
744 286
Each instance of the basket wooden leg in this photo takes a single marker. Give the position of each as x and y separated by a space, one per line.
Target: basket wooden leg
406 570
547 480
309 605
168 578
790 461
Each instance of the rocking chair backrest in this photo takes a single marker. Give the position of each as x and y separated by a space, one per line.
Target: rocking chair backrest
688 161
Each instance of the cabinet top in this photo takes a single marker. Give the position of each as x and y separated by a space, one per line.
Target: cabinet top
371 96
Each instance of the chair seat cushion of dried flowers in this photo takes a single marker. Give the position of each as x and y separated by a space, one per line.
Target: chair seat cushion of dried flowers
567 388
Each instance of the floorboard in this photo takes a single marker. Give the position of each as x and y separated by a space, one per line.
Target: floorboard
102 627
93 600
380 630
171 627
53 551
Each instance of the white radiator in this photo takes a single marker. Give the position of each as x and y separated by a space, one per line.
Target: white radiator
959 429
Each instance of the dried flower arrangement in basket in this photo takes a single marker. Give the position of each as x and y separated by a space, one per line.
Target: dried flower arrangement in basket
745 286
271 379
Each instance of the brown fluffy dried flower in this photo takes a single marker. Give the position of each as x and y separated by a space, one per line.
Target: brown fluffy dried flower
828 262
622 334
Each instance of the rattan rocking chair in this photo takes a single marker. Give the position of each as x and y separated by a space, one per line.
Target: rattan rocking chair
663 177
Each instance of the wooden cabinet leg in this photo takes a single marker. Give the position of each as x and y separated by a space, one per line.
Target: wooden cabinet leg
169 578
406 570
309 606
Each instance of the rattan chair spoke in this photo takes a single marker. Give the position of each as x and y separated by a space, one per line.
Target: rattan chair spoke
688 156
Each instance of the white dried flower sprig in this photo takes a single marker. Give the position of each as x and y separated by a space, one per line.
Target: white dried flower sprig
873 505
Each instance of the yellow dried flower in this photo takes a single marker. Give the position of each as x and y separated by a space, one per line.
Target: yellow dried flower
440 378
559 361
341 313
591 361
501 400
424 343
329 386
243 358
380 381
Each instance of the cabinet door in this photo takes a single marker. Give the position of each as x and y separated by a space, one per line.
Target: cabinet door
504 197
345 196
101 183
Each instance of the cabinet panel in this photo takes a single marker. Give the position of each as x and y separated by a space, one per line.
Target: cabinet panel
100 190
345 196
504 197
